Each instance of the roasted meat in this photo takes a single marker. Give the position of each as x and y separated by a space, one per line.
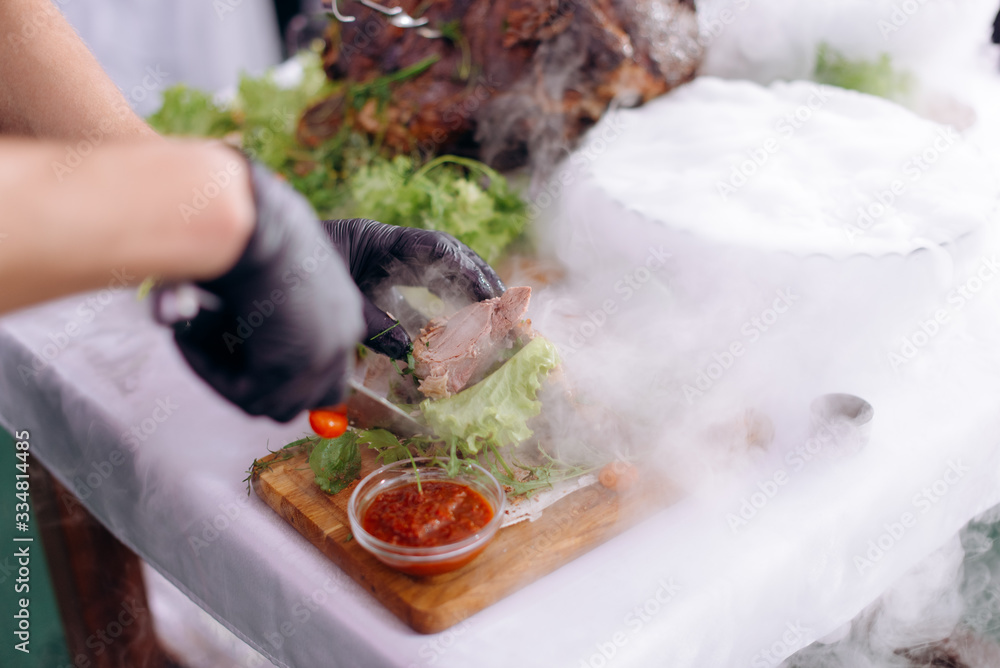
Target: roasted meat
453 353
514 79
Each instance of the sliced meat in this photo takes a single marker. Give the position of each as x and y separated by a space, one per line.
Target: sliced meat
453 353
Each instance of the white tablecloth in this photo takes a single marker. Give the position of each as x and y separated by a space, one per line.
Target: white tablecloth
115 414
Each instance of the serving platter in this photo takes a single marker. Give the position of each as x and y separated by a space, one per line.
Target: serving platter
519 554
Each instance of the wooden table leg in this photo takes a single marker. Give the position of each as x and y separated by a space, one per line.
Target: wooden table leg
97 581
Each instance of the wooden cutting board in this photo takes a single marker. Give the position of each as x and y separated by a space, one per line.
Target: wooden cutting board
517 556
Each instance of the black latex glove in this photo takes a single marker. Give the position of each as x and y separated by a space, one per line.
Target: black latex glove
281 338
414 257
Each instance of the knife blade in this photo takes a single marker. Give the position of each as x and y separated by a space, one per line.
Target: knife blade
367 410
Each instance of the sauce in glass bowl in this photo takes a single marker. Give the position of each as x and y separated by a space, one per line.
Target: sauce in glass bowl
437 527
434 513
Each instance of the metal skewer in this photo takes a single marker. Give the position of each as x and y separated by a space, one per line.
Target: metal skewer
388 11
336 12
404 20
397 17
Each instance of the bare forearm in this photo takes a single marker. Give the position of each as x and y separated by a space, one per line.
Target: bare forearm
177 211
51 85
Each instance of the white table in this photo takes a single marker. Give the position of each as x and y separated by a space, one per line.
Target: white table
115 414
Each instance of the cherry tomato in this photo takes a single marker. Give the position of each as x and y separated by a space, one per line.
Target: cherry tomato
329 422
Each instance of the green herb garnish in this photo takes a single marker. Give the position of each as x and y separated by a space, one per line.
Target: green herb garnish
287 452
387 447
336 462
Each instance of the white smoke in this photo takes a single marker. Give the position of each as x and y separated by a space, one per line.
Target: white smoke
793 536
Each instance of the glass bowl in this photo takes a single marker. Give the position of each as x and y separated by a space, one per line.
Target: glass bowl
436 559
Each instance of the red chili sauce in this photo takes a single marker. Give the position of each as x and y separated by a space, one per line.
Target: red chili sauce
445 513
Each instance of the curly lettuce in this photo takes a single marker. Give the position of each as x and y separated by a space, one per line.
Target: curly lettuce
348 175
191 113
495 410
445 195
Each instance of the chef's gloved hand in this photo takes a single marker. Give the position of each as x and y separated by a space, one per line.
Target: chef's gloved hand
280 329
438 261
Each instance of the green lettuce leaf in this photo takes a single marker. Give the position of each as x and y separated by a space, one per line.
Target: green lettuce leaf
487 218
190 112
497 408
347 175
385 443
875 77
336 462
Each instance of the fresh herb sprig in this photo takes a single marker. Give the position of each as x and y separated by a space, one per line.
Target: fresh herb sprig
390 448
284 454
343 467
